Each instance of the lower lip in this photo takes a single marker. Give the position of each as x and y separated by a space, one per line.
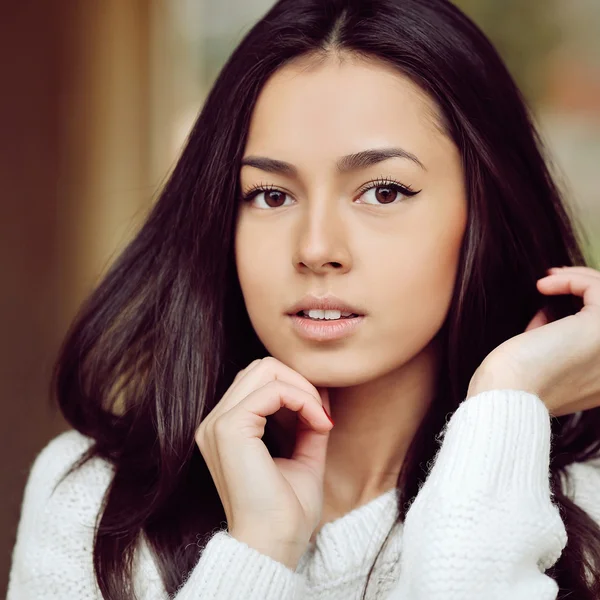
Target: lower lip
324 331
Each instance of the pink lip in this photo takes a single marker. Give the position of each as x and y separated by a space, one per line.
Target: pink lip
328 302
323 331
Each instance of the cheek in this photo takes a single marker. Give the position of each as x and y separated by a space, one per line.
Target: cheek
253 271
259 269
418 282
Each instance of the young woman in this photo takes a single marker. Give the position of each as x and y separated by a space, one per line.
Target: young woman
360 224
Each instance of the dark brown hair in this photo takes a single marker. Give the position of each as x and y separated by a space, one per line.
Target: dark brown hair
161 338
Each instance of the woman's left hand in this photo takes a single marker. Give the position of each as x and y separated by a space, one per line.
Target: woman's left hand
560 361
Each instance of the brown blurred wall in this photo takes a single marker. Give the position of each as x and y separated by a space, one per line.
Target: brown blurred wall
74 150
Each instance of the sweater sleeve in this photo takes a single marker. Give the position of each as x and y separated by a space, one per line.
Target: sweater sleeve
230 569
52 557
483 525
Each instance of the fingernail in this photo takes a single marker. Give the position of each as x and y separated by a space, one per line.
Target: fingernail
328 416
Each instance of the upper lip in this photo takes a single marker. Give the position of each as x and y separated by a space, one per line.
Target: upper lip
329 302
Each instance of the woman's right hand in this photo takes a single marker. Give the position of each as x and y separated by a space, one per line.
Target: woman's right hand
271 504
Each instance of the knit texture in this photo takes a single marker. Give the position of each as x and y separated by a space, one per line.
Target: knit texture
482 526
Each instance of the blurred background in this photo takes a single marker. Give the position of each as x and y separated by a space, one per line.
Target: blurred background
97 99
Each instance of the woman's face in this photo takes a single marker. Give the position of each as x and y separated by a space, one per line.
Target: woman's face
329 225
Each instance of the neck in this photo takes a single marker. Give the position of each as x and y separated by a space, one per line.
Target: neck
374 425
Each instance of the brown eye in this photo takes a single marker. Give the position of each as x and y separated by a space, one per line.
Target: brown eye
388 193
266 198
385 195
274 198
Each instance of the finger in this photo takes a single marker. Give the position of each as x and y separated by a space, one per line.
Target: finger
540 318
311 448
324 394
288 422
242 372
273 396
265 370
224 403
578 269
568 282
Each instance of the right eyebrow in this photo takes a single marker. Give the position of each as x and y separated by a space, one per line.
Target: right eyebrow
350 162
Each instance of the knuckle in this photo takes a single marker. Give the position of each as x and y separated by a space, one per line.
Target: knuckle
268 367
269 362
200 437
275 386
243 371
220 427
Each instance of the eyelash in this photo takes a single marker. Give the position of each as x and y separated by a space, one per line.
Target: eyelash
405 190
374 183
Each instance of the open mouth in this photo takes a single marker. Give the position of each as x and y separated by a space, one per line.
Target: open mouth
325 325
325 315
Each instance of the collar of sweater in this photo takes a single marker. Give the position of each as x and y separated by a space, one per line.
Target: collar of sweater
350 543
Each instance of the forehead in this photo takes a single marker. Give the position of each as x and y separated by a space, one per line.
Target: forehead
338 106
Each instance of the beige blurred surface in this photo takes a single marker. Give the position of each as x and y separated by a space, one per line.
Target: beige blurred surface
97 98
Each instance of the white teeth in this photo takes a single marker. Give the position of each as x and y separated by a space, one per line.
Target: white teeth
326 314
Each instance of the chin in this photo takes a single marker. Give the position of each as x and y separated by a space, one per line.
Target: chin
334 373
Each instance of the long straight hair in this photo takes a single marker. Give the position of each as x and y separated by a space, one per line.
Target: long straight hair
161 338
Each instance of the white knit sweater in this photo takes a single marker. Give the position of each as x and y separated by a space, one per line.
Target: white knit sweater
482 526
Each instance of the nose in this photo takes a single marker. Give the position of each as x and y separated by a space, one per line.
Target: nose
321 240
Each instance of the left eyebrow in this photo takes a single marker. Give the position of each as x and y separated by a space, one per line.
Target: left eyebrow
350 162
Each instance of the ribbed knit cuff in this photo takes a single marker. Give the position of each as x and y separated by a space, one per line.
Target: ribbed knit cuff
497 442
229 568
